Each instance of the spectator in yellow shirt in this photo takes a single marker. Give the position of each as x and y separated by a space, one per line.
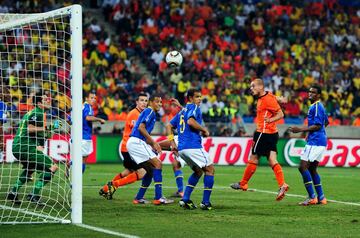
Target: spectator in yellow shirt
183 85
15 92
64 102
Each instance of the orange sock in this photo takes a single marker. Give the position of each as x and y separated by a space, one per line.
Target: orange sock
133 177
118 176
249 171
279 174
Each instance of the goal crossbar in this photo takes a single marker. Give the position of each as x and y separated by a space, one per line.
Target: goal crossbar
27 19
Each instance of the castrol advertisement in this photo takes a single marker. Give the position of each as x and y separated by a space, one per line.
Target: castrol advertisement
236 151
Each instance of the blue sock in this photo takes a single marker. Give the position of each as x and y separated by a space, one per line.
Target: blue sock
83 167
158 183
179 180
193 180
308 183
146 181
208 185
318 187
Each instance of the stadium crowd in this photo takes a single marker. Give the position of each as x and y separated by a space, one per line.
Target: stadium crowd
291 45
225 44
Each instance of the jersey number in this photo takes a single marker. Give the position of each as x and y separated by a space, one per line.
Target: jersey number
182 124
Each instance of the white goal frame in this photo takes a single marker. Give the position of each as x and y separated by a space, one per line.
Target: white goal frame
75 13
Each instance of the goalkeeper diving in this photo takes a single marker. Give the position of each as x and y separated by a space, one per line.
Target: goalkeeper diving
28 147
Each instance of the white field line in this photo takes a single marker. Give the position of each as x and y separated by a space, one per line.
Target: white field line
57 220
250 190
54 219
301 196
98 229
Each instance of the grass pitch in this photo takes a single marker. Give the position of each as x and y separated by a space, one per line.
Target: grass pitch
235 213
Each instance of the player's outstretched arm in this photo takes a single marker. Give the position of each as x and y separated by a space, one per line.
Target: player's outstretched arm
34 129
56 125
295 129
92 118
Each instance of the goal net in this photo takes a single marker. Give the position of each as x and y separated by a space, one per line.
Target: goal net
40 89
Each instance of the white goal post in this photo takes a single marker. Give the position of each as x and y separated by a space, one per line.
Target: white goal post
42 52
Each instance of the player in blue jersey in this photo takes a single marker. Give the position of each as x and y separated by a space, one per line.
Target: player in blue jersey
188 124
314 149
144 150
88 119
178 163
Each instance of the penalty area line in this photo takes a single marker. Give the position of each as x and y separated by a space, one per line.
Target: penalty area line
102 230
301 196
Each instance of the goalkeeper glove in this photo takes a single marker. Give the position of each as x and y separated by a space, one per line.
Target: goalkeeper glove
55 126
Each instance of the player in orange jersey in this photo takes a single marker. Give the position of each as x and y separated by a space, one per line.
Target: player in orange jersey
265 138
132 171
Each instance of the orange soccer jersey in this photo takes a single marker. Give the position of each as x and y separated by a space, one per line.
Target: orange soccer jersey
129 124
267 107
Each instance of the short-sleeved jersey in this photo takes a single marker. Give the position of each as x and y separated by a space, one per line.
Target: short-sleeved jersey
87 125
34 117
129 125
148 117
3 110
267 106
317 116
189 138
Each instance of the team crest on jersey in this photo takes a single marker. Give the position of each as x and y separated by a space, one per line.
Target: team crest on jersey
33 118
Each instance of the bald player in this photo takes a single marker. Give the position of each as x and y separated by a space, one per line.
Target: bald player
265 138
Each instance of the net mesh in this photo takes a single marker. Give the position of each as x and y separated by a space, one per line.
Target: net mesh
34 61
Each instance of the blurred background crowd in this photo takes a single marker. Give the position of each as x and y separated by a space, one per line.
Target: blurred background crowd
225 44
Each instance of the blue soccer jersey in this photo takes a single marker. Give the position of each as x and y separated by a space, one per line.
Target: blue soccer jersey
189 138
317 116
3 110
148 117
87 125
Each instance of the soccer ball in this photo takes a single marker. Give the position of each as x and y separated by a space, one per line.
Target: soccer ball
174 58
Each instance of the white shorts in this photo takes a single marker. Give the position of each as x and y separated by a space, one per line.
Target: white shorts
312 153
86 147
195 157
139 150
180 160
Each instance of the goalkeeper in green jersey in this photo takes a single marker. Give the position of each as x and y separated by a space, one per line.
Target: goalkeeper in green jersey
28 146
